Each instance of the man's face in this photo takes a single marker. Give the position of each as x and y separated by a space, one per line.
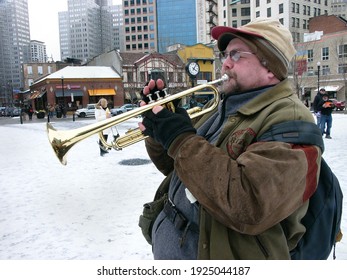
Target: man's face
245 72
322 91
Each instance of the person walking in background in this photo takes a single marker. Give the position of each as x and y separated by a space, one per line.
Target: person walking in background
30 112
101 113
326 107
229 195
316 102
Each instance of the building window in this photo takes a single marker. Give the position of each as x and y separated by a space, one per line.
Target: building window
280 8
309 55
30 70
39 70
257 3
325 53
245 11
342 68
342 51
234 12
325 70
268 12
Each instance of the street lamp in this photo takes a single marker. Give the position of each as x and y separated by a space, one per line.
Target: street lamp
149 74
62 88
318 67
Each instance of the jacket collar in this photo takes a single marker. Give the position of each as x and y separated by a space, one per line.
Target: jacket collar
279 91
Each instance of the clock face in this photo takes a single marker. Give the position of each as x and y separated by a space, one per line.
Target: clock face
193 68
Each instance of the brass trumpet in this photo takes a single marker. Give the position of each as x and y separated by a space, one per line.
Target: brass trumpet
62 141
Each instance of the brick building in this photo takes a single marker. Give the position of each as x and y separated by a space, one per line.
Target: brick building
76 86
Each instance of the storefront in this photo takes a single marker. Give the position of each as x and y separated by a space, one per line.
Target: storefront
96 94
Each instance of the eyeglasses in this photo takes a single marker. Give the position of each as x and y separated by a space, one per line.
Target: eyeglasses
235 55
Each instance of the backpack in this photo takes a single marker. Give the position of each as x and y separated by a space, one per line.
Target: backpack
323 217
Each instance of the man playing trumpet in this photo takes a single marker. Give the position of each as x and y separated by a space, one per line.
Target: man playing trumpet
229 196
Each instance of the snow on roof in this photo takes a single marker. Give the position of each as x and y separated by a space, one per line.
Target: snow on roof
84 72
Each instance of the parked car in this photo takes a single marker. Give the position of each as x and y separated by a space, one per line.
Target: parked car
89 111
16 112
122 109
339 105
129 107
11 111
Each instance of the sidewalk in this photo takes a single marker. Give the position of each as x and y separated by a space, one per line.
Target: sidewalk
26 121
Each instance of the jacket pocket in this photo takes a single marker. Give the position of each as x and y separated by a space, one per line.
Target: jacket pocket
150 213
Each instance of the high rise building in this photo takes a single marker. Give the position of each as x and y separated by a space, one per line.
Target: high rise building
140 28
14 47
117 32
88 29
38 51
155 25
176 23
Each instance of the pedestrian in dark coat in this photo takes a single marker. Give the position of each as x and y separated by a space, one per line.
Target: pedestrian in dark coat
326 107
316 102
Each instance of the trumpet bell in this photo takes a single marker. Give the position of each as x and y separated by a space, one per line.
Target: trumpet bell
63 141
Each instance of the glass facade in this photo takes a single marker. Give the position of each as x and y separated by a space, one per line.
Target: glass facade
176 23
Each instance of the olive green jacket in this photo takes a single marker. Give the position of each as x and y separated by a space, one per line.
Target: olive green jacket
252 194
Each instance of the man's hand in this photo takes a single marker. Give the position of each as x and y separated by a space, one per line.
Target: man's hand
150 88
165 126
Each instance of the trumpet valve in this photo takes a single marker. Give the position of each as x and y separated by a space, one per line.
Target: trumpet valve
157 95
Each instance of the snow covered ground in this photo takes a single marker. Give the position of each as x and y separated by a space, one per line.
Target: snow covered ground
89 209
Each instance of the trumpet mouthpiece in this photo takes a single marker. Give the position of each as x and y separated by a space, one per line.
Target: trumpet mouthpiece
225 77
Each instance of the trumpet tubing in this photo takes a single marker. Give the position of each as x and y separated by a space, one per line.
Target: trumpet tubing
63 141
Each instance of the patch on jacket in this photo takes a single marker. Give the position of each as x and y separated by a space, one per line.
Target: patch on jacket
239 141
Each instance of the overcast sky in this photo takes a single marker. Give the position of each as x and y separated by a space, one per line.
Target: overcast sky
44 24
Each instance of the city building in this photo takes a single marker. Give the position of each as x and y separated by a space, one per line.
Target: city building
38 51
117 32
14 47
155 25
339 8
89 28
139 24
76 86
321 60
176 23
292 14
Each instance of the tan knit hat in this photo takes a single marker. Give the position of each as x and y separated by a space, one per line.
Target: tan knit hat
267 38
